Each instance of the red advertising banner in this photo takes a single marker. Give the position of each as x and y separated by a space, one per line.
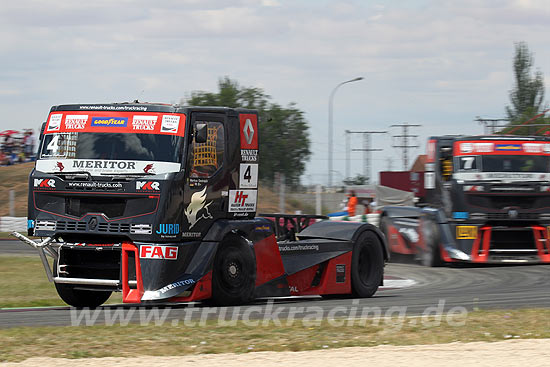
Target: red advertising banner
501 147
116 122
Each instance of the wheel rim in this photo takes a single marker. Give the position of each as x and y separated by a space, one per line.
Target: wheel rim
231 273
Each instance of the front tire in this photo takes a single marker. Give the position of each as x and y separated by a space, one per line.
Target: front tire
431 254
81 298
78 297
233 273
367 265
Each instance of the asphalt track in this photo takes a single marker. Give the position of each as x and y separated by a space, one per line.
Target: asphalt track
435 290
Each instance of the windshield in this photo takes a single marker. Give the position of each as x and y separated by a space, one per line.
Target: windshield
514 163
503 163
112 146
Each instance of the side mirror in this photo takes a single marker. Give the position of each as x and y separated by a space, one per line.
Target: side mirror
201 133
42 130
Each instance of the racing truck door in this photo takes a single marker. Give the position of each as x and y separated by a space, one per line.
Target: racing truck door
207 173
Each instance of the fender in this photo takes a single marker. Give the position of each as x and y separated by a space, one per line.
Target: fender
450 252
344 231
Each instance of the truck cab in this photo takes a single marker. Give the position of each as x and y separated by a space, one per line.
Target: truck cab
494 191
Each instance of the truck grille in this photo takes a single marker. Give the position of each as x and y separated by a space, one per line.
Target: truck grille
497 216
512 242
65 226
70 226
113 227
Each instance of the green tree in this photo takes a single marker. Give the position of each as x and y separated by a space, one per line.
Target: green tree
527 95
284 137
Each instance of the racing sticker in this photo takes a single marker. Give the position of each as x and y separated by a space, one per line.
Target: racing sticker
76 122
158 252
242 200
248 176
249 131
198 208
109 121
55 122
144 122
466 232
170 124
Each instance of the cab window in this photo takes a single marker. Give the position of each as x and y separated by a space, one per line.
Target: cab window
207 158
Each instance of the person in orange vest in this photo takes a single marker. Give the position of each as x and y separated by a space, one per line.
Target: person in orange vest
352 203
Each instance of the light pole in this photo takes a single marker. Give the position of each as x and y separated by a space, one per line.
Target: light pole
330 126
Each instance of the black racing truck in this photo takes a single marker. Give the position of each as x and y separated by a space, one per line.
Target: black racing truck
488 201
159 202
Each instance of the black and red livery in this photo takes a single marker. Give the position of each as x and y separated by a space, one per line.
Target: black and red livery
159 202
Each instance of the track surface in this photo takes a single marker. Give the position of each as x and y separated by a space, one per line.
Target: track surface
469 287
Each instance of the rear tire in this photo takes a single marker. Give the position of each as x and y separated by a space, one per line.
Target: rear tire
81 298
367 265
233 273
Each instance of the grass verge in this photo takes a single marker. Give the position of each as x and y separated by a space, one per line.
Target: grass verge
23 283
133 340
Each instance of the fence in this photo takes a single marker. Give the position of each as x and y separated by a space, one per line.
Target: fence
9 224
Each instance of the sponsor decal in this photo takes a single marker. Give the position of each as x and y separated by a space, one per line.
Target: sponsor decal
44 183
191 234
508 147
149 168
460 215
198 208
113 108
264 228
105 167
484 147
299 248
532 148
240 214
249 155
147 185
242 201
466 148
249 128
171 229
179 283
466 232
30 223
110 121
94 185
170 124
197 181
248 176
55 122
293 288
140 122
158 252
75 122
340 273
121 165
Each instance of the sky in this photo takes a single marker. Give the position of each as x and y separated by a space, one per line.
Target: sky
434 63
